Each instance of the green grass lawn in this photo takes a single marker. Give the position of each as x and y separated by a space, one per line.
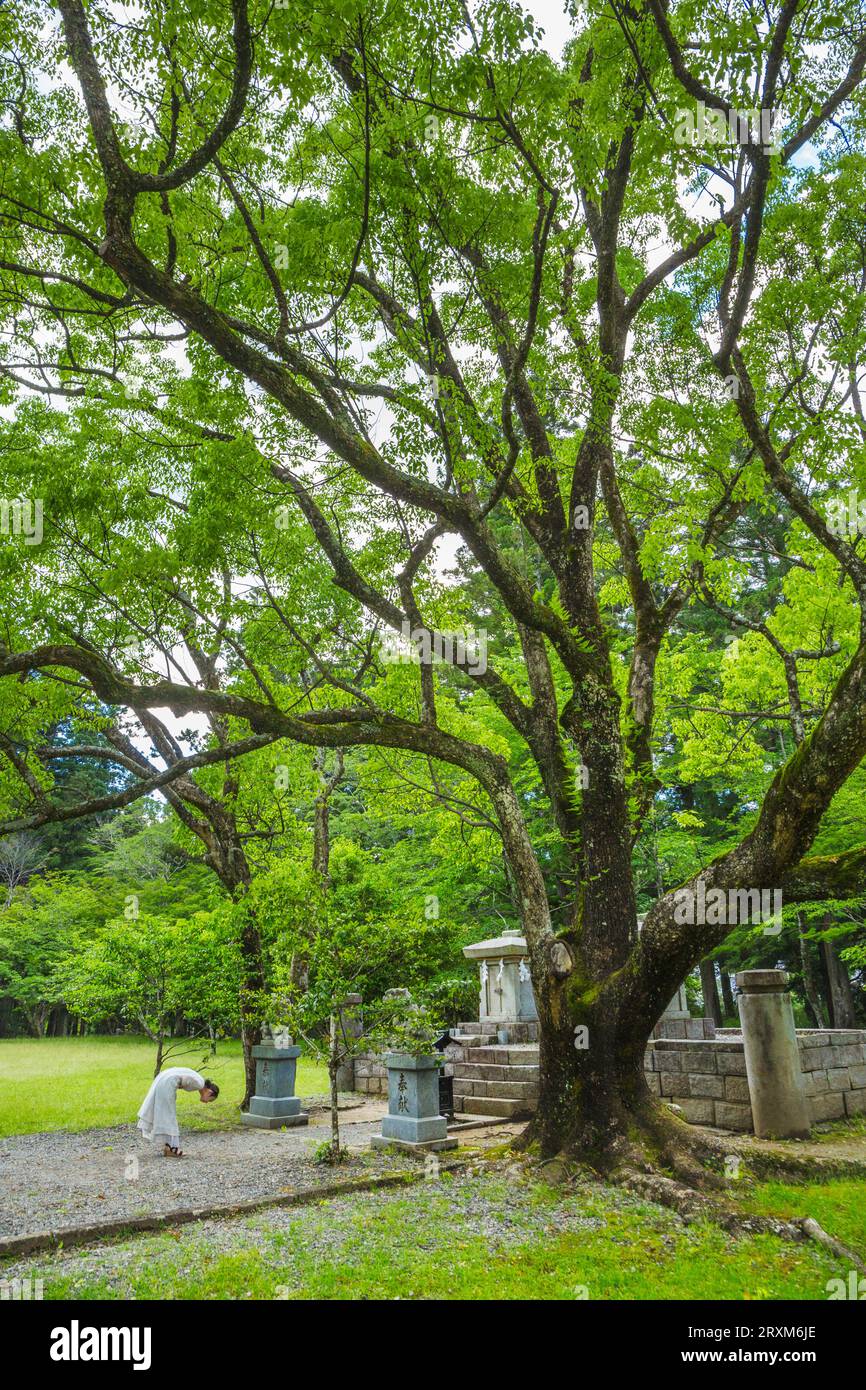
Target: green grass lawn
838 1206
81 1083
476 1237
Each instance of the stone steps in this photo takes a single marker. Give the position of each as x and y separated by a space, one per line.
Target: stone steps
495 1079
490 1105
503 1090
486 1071
520 1054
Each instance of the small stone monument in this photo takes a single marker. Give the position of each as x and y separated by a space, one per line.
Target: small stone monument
777 1090
413 1121
275 1104
506 985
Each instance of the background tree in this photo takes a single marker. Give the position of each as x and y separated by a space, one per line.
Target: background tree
149 971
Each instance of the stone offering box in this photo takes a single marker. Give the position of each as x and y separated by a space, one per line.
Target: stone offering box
275 1104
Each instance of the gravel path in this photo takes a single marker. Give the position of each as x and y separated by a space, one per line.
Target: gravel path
494 1205
56 1181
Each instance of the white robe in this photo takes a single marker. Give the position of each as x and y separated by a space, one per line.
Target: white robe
157 1118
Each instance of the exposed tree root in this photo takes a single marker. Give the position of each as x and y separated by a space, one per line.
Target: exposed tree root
809 1226
664 1160
694 1206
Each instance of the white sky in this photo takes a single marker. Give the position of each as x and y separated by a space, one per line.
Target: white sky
552 17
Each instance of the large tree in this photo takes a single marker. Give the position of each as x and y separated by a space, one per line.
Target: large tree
390 279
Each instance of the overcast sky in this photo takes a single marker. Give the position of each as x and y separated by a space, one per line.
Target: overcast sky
553 19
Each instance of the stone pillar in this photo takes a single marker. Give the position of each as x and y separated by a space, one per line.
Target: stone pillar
780 1109
678 1007
275 1104
352 1025
413 1121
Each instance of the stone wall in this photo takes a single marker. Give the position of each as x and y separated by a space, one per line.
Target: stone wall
371 1074
833 1062
704 1075
707 1079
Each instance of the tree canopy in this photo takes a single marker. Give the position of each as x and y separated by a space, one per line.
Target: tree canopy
378 382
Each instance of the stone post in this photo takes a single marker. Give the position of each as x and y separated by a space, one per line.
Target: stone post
780 1109
275 1104
413 1121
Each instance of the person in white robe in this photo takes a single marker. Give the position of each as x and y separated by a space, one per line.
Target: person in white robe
157 1118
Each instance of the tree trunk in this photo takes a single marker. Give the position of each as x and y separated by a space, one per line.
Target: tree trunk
333 1067
160 1044
730 1008
810 983
842 1012
712 1007
592 1094
252 989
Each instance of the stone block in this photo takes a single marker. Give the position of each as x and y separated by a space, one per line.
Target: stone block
830 1106
700 1059
855 1102
852 1055
674 1083
736 1089
822 1057
698 1112
857 1076
654 1081
730 1116
702 1085
731 1063
486 1072
382 1141
493 1105
668 1061
837 1079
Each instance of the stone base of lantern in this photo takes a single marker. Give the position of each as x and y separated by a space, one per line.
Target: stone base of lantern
426 1146
276 1121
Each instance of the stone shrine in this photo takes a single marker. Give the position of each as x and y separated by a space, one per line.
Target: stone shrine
505 983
